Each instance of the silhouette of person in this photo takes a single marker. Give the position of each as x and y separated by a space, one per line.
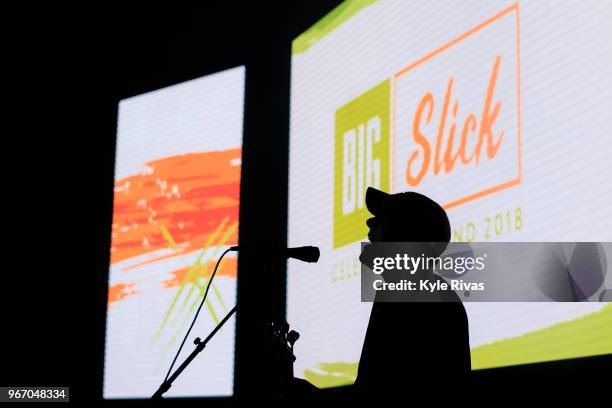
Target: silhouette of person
412 346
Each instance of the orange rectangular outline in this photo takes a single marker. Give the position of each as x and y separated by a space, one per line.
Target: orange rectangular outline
476 28
392 158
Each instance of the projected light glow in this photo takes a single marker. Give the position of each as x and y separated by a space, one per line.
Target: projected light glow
176 205
480 105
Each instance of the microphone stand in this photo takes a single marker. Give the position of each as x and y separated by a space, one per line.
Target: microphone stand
305 254
165 386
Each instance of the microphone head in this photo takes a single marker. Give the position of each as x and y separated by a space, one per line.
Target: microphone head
304 254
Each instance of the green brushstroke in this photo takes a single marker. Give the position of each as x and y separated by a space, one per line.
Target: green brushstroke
183 325
327 24
168 237
213 315
191 270
588 335
196 301
196 283
199 269
181 329
198 266
220 244
332 374
219 297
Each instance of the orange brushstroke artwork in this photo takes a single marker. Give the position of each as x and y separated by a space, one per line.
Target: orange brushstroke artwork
173 207
120 291
229 267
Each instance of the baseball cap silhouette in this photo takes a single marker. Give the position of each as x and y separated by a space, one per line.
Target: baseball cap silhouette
409 216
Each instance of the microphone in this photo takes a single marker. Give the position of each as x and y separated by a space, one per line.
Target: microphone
304 254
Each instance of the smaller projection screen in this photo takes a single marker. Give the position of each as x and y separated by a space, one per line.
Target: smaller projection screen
176 205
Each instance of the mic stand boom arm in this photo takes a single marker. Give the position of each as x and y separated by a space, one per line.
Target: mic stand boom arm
165 386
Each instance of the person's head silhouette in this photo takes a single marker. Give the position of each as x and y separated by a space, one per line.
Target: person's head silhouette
407 217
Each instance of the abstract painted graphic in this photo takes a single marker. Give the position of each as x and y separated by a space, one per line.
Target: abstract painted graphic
176 207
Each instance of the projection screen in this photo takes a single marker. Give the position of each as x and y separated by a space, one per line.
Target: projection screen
497 110
176 205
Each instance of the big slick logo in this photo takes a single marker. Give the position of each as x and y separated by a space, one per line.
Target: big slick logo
447 125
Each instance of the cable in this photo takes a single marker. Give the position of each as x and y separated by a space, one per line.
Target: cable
198 311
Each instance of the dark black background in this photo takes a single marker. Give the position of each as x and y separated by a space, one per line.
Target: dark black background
66 69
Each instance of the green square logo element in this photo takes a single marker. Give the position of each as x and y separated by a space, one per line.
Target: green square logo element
361 159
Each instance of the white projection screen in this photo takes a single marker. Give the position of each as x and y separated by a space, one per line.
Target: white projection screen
498 110
176 205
